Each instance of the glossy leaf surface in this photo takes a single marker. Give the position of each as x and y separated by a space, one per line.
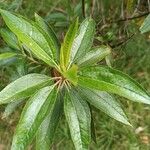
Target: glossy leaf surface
93 56
83 41
7 58
78 116
32 116
23 87
10 108
106 103
114 81
7 55
29 35
71 74
146 25
9 38
67 44
46 131
51 38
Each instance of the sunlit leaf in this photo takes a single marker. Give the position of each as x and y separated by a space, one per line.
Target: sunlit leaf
51 38
7 57
67 44
46 131
23 87
11 108
29 35
145 27
114 81
78 116
33 114
83 41
9 38
106 103
93 56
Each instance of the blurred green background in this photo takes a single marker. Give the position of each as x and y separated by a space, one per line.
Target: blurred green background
117 27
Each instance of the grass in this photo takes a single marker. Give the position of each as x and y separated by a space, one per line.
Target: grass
131 57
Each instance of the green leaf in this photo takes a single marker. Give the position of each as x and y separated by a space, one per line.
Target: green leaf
32 116
23 87
11 108
7 55
93 130
71 74
29 34
7 58
93 56
83 41
106 103
9 38
46 131
145 27
78 116
67 44
52 39
56 17
114 81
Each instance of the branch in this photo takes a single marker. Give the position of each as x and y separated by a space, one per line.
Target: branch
132 18
83 8
122 42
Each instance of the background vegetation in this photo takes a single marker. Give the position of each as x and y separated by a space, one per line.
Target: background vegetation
118 23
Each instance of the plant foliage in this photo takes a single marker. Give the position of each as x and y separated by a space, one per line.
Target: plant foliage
75 81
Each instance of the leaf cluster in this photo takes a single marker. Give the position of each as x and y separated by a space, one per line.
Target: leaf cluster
76 82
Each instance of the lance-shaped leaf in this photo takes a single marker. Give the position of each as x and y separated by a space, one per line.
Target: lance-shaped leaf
67 44
114 81
106 103
6 56
32 116
71 74
9 38
83 41
46 131
93 56
78 116
11 108
29 34
52 39
23 87
146 25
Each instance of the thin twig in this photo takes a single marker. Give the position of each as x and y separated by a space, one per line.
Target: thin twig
92 7
137 7
131 18
102 12
148 1
122 42
83 8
